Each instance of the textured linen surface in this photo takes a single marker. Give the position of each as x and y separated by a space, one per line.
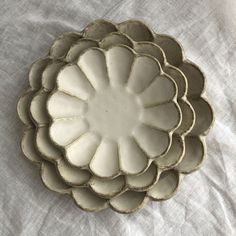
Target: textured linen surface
206 202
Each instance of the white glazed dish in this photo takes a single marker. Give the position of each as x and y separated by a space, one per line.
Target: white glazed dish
162 106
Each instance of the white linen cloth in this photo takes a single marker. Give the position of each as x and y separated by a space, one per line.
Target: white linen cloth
206 202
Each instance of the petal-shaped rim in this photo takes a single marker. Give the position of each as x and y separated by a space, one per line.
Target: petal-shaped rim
78 47
52 179
94 57
65 189
79 80
49 74
195 78
166 187
86 200
98 29
144 181
73 106
104 187
180 79
176 74
136 30
128 48
125 56
170 160
75 128
179 64
88 144
128 149
36 71
141 138
163 111
195 154
137 75
157 90
72 176
136 201
121 39
66 40
151 49
89 201
168 44
188 117
43 141
28 146
107 149
37 109
204 116
23 108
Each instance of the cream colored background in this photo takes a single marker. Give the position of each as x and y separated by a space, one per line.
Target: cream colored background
206 203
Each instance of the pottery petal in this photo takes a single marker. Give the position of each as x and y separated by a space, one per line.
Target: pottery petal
36 71
136 30
107 187
119 63
61 46
166 186
72 175
204 116
188 117
151 49
28 146
23 108
178 76
132 159
87 200
171 47
144 71
38 109
115 38
78 48
165 116
128 202
174 154
105 162
145 180
51 178
81 151
72 106
161 90
98 29
194 155
72 80
65 131
50 73
93 64
195 78
45 145
154 142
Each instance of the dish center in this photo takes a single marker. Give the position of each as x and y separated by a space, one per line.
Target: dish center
113 112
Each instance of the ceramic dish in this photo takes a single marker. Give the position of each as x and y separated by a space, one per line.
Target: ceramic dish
115 115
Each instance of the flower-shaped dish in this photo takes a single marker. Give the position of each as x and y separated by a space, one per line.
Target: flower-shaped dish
130 105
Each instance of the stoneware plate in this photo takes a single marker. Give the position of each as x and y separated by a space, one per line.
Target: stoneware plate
115 115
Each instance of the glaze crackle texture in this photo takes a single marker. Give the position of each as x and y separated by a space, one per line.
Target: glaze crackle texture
115 116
